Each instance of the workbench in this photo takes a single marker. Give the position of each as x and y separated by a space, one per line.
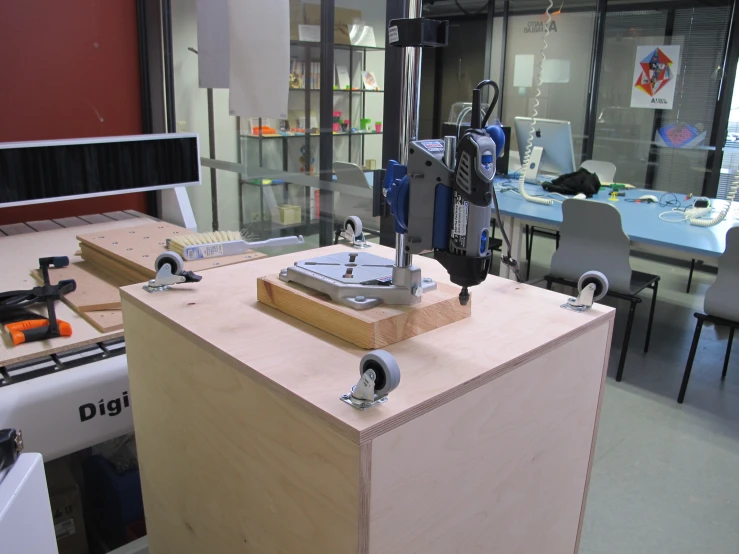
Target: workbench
40 390
486 445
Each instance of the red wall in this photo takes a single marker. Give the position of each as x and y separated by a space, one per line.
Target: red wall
70 69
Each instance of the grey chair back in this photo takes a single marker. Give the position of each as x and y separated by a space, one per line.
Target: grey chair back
591 238
722 297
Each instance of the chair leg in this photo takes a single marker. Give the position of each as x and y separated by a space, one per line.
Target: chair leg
728 354
651 316
689 365
549 285
690 275
556 239
625 345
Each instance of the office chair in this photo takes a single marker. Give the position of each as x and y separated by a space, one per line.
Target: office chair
592 238
721 305
606 172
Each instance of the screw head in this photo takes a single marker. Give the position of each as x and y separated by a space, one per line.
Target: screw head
428 280
360 298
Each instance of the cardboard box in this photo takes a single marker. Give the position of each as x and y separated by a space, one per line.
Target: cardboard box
343 19
66 510
287 214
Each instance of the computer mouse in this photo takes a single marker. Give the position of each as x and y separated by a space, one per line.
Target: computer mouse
648 198
580 196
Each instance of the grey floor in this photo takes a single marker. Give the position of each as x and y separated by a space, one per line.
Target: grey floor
665 477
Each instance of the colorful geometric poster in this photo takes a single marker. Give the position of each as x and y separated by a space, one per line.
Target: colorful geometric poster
655 76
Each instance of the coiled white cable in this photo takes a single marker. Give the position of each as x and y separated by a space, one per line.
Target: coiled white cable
530 142
724 210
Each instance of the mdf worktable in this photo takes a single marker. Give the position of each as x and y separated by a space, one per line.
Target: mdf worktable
485 447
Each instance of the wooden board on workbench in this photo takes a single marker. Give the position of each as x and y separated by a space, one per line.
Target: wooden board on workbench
373 328
137 249
96 298
96 291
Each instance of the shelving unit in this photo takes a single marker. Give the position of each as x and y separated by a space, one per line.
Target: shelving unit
254 146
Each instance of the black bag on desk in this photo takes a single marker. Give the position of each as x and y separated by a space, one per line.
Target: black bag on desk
581 181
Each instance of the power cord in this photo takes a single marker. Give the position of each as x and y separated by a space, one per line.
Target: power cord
530 142
724 209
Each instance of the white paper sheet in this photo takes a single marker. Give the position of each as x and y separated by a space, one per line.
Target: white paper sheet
523 70
556 71
213 58
259 37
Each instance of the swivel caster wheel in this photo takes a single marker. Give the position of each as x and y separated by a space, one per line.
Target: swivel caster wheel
591 287
379 376
170 270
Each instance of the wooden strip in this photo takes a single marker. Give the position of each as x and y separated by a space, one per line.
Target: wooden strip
119 216
365 481
373 328
44 225
16 229
95 218
606 359
70 222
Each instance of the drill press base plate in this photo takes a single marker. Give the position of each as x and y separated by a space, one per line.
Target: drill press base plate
373 328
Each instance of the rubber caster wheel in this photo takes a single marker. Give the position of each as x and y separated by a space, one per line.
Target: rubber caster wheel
386 370
354 223
176 265
598 279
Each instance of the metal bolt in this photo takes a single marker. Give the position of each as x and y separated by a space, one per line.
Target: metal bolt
428 280
360 298
417 291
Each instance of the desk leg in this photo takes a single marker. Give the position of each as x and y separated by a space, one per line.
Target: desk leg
514 230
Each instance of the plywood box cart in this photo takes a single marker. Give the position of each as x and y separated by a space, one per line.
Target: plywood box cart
485 447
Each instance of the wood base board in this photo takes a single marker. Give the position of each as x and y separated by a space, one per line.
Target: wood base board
373 328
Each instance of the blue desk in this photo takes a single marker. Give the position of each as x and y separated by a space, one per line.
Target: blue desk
640 222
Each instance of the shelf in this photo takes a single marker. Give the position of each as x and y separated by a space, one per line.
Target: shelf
336 90
342 134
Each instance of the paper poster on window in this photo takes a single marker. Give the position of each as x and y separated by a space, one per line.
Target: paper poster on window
655 76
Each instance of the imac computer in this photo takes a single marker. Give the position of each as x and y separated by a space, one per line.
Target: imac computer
552 152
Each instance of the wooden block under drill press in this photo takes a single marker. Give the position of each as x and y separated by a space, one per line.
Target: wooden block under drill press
373 328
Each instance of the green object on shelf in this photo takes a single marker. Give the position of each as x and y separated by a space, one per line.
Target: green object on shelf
617 186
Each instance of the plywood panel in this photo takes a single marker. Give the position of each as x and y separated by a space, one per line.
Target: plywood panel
20 257
138 248
373 328
510 324
94 292
502 469
243 470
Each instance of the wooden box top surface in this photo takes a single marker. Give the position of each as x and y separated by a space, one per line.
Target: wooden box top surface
511 323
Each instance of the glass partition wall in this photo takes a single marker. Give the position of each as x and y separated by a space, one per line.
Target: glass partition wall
276 177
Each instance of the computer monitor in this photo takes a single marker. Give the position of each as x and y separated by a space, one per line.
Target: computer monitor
554 138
